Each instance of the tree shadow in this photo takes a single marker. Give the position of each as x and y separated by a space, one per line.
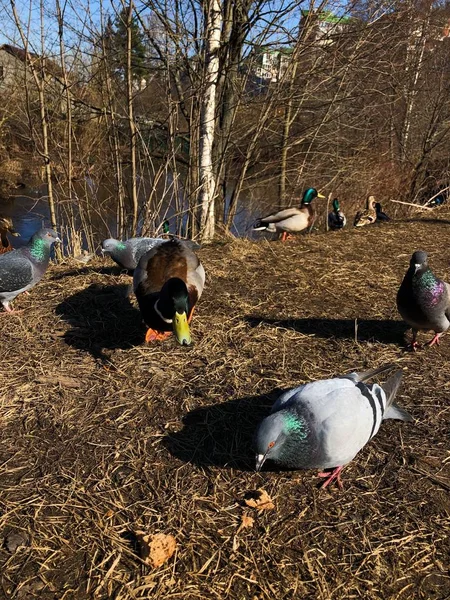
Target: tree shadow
101 317
222 434
364 330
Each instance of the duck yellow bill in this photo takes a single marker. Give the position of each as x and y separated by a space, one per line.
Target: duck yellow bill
181 329
320 195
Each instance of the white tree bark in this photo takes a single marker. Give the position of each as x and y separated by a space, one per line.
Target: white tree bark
207 193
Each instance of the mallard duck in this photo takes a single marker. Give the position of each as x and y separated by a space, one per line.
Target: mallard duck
291 220
368 216
336 219
5 227
381 216
168 282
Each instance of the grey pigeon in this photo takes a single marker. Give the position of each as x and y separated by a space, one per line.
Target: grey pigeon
127 254
21 269
324 424
423 300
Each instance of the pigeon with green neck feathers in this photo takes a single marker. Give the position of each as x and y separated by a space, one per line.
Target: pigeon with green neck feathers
127 254
22 269
336 218
423 300
291 220
324 424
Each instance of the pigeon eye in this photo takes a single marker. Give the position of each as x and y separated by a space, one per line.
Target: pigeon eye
271 445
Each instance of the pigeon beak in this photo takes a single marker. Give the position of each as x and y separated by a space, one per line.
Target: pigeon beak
260 460
58 240
416 268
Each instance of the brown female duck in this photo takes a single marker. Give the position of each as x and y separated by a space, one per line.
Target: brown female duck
5 227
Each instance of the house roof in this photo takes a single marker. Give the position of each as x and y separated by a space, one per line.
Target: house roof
21 54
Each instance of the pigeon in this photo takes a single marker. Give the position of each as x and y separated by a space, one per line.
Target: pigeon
291 220
336 218
423 300
324 424
127 254
22 269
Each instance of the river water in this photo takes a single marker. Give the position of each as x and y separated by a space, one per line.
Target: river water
29 212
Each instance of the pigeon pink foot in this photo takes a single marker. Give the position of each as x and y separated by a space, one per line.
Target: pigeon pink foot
435 340
334 475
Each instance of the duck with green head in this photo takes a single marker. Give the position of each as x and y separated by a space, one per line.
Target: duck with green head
291 220
168 282
336 218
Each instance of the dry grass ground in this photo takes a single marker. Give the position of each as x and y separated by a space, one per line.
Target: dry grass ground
102 435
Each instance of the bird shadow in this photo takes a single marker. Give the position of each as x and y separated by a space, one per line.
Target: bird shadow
101 317
112 270
363 330
221 434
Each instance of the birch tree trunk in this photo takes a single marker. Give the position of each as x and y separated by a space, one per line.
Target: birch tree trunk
213 25
131 123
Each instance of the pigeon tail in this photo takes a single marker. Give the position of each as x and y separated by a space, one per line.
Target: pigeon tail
393 411
366 375
391 386
396 412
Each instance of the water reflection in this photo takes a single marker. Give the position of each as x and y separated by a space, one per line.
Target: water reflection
30 212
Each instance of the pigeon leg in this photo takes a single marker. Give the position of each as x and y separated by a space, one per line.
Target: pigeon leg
414 343
7 307
156 336
334 475
435 340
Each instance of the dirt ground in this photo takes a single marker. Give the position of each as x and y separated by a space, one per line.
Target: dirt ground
102 435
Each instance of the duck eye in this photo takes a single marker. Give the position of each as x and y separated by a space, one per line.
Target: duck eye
271 445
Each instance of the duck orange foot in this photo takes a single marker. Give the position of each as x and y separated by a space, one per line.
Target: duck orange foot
156 336
286 236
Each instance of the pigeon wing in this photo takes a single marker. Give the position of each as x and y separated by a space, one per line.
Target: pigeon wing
16 271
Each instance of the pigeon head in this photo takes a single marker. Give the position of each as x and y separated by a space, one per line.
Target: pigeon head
419 261
44 238
278 436
111 245
41 242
